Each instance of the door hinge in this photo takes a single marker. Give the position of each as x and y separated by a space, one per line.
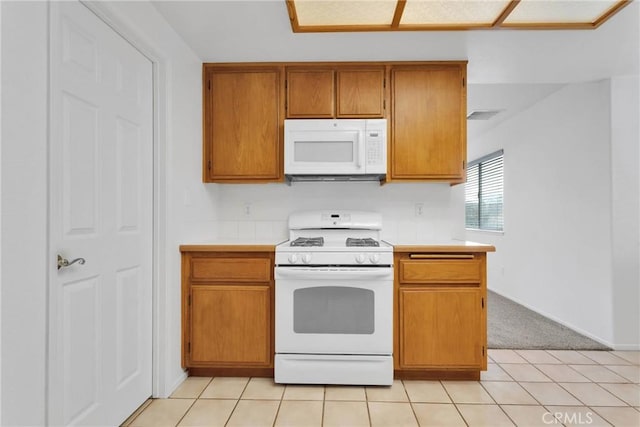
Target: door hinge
384 104
463 82
482 350
209 164
189 348
384 83
286 83
482 302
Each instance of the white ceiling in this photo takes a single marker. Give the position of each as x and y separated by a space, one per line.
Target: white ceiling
508 69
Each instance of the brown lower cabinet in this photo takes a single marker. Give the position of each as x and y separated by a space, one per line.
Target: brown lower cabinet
227 312
440 315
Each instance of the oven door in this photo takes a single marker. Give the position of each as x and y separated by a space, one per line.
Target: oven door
327 310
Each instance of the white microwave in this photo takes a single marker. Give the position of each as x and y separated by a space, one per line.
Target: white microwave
335 149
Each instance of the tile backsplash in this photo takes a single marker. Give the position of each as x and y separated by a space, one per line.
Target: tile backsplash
261 211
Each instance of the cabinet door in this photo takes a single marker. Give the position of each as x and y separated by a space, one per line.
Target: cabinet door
230 325
360 93
440 328
242 124
428 123
310 93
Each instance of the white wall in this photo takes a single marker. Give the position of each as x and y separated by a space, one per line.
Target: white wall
24 192
561 163
0 216
625 155
24 211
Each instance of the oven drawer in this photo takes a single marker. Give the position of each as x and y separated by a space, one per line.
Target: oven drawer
436 268
231 269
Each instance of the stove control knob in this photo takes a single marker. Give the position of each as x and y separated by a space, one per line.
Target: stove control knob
374 258
306 258
361 258
293 258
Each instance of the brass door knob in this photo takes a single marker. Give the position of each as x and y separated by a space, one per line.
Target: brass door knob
63 262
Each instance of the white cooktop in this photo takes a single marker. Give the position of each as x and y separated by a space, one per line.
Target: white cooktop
334 227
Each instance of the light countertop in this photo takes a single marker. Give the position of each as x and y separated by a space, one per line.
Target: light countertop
232 245
450 245
399 245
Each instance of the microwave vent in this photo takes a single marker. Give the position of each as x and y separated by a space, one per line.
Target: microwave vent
335 178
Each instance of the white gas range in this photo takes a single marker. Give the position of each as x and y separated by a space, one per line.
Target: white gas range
334 300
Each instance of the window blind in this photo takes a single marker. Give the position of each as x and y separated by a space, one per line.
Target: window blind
484 193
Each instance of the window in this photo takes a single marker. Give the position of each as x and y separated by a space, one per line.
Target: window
484 193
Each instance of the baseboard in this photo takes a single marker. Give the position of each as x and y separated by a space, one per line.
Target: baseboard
626 347
179 380
560 321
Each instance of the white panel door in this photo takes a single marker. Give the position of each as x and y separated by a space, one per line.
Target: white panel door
101 209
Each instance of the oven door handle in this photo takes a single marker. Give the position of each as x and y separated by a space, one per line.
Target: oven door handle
328 273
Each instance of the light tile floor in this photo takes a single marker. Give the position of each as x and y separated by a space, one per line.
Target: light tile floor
521 387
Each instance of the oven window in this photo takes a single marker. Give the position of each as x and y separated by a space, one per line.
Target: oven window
333 310
323 151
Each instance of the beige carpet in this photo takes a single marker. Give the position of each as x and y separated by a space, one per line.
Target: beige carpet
513 326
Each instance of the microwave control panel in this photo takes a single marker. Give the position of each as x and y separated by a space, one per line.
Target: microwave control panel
375 146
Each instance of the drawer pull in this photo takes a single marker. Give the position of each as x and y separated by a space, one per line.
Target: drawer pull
441 256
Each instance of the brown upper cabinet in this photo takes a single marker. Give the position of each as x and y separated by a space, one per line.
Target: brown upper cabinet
428 122
245 104
320 91
243 118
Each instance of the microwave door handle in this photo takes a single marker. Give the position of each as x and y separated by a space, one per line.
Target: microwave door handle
359 141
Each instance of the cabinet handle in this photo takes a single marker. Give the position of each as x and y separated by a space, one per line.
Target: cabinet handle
441 256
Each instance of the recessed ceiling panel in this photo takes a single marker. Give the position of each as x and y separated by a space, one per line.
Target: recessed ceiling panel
559 11
448 12
413 15
336 13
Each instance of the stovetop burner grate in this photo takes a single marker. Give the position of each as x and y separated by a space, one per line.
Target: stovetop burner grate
351 241
308 241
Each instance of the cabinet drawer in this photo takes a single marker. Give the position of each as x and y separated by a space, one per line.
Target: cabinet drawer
440 271
231 269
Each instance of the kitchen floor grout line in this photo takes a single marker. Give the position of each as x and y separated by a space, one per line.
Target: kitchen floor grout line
456 404
186 412
627 381
237 400
275 419
558 383
518 383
